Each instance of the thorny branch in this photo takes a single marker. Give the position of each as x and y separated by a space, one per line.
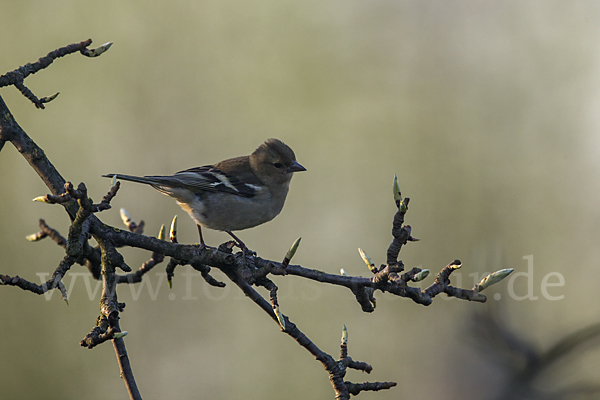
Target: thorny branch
104 260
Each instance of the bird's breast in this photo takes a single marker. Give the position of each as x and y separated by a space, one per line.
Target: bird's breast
224 211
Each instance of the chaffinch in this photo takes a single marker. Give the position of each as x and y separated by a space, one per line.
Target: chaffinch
234 194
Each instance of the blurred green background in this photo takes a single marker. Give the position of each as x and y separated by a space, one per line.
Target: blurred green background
487 111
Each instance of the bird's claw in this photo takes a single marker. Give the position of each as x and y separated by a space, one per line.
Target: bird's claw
246 252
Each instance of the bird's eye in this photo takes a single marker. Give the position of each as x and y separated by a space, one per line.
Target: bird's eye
277 165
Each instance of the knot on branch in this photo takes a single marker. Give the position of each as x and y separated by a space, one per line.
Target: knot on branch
107 328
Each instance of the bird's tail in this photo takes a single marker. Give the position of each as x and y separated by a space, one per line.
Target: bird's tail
148 180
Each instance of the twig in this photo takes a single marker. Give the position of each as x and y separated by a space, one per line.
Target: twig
17 76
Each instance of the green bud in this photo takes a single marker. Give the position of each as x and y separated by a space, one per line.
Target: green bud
173 231
279 317
421 275
34 237
367 261
396 188
455 265
493 278
162 233
120 335
125 216
97 51
293 249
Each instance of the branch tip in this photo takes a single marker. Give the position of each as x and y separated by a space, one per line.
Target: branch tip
97 51
454 265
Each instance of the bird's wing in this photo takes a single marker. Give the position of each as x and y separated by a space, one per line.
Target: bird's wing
210 179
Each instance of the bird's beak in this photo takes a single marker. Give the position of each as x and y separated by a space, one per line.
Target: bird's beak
296 167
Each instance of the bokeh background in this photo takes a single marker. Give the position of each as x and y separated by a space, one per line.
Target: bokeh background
487 111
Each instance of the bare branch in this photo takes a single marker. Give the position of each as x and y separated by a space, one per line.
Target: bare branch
17 76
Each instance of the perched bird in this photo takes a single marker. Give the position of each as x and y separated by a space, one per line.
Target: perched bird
234 194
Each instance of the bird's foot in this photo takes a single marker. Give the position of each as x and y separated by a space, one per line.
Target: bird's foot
245 250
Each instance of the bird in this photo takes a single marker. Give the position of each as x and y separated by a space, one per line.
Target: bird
233 194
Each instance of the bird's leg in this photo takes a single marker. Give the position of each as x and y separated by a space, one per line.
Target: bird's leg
202 245
240 244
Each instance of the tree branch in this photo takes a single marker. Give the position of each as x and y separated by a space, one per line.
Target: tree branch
243 269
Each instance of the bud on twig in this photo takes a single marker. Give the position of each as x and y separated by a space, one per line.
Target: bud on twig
97 51
368 261
125 216
290 253
396 189
493 278
345 335
454 265
34 237
421 275
279 317
48 99
120 335
173 231
162 233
